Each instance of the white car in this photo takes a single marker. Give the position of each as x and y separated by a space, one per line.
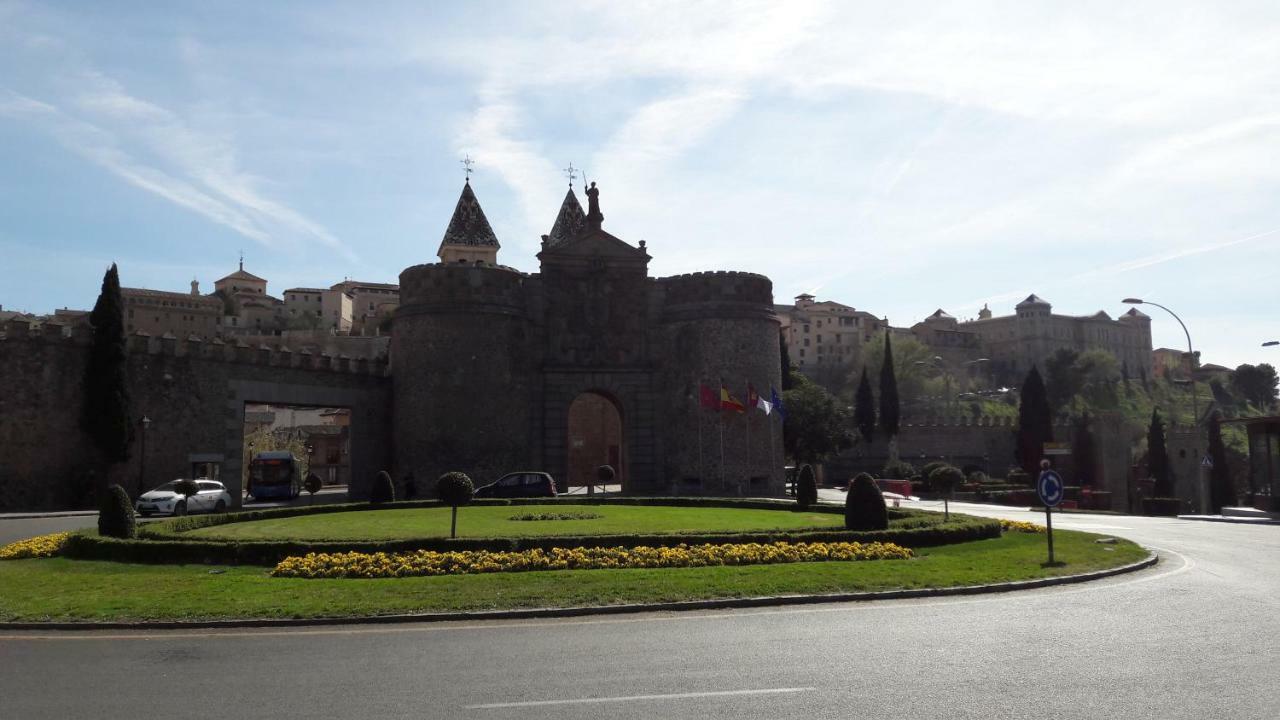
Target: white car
212 497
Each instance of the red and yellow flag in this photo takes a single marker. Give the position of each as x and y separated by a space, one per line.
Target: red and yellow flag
729 402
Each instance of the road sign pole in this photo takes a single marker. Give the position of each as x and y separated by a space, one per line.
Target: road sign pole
1048 521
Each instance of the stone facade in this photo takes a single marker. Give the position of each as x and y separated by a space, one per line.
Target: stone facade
488 362
826 338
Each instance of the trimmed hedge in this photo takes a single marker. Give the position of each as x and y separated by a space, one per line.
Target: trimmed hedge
164 542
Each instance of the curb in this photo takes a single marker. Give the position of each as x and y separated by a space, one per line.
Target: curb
47 515
535 613
1230 519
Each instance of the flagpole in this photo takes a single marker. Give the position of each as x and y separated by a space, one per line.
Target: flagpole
748 473
702 470
722 454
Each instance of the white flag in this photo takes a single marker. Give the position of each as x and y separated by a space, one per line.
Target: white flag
765 405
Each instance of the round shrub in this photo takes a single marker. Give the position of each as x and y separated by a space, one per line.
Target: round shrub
605 474
806 487
978 477
313 483
115 517
929 467
383 490
900 470
864 506
945 478
186 488
454 489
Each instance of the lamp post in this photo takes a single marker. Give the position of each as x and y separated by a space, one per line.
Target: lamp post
1195 401
145 424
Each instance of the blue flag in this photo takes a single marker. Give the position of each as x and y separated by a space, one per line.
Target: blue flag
777 402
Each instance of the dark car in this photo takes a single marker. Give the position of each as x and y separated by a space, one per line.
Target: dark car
519 484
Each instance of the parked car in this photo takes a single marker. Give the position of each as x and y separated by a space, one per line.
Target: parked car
165 500
519 484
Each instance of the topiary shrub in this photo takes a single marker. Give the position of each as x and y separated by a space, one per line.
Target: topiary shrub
977 477
900 470
944 480
383 490
605 475
806 487
115 516
454 489
312 485
185 488
930 466
864 506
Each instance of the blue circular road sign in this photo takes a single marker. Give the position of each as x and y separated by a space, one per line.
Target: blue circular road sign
1049 488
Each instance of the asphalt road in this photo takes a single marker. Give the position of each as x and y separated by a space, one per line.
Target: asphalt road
1193 637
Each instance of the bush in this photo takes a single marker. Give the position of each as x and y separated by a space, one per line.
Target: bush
929 467
1018 476
454 489
900 470
806 487
605 474
977 477
383 490
864 507
115 517
312 484
186 488
945 478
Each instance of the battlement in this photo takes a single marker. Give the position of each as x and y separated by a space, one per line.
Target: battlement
707 294
235 351
961 421
462 287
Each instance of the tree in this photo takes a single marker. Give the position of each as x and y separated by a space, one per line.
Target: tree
864 505
105 412
815 425
1085 452
454 489
115 516
187 489
1062 378
786 362
1158 457
806 487
1035 423
944 479
383 490
1256 384
888 392
312 485
1222 491
864 410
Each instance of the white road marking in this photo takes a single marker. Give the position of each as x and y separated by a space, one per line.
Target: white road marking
637 698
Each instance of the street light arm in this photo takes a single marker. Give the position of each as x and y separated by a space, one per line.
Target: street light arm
1184 328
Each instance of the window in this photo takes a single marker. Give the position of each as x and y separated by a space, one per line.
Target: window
806 342
806 327
819 337
801 352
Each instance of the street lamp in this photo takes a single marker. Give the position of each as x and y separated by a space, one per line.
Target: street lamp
145 424
1195 401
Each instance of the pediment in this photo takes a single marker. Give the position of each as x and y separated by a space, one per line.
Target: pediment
594 244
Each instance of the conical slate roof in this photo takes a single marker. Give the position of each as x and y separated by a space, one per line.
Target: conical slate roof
1032 300
469 226
569 221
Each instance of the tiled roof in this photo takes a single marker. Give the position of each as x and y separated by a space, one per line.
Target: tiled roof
569 221
469 226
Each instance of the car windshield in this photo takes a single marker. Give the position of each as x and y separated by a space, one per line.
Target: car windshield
167 487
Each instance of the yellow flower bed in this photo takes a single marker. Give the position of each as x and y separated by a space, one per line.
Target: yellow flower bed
36 547
428 562
1020 526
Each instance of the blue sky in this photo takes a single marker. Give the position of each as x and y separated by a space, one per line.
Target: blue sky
895 157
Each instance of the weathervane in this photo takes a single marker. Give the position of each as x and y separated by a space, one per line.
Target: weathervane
571 172
467 162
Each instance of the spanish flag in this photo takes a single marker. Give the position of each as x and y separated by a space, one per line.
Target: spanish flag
729 402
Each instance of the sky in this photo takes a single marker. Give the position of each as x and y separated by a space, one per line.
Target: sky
896 157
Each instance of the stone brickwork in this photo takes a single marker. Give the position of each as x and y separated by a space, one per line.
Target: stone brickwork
194 393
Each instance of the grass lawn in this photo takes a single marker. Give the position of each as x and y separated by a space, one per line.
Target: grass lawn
62 589
495 521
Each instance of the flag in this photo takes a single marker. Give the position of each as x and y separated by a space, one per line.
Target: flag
777 402
753 397
765 405
729 402
707 397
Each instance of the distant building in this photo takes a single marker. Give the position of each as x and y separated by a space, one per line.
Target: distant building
826 337
1013 343
246 305
157 312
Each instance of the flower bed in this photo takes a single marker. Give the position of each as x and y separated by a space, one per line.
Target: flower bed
36 547
427 562
1020 526
537 517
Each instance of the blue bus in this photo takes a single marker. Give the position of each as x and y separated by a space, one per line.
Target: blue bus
276 474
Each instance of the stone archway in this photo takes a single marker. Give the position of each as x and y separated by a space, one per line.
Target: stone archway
596 438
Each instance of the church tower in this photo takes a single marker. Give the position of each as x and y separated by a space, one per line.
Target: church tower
469 237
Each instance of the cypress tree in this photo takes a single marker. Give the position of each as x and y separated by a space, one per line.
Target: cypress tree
1085 452
786 362
888 391
806 488
864 410
1158 457
1035 423
864 505
105 414
1221 489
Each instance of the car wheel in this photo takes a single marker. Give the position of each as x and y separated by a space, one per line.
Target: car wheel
221 507
180 509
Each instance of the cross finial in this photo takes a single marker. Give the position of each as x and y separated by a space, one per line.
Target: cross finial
242 260
571 172
467 162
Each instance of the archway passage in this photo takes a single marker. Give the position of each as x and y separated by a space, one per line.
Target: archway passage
595 439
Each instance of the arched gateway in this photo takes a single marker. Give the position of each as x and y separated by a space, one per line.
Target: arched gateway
595 439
